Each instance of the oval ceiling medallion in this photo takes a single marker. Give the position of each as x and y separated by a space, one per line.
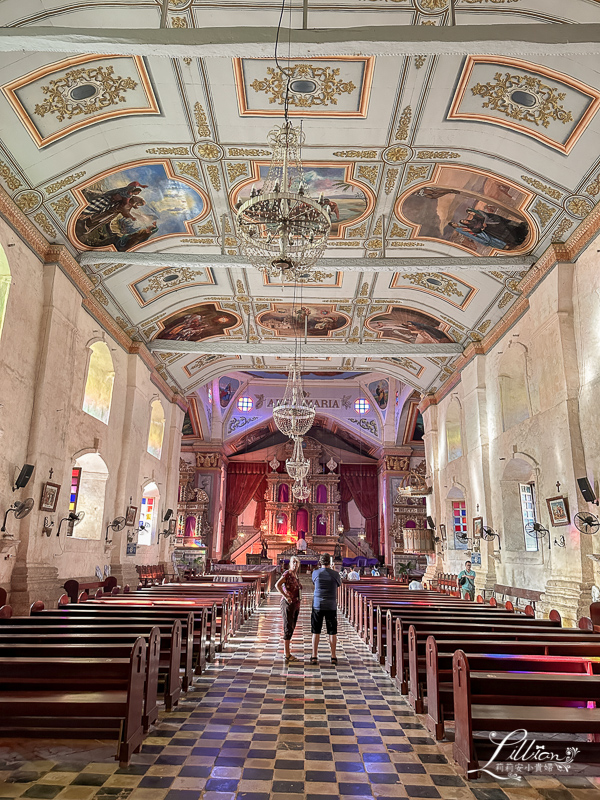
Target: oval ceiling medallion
303 86
524 98
83 92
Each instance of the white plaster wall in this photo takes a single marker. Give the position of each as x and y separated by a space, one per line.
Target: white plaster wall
44 355
560 338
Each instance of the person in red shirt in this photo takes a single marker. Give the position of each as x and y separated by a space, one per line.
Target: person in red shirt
290 590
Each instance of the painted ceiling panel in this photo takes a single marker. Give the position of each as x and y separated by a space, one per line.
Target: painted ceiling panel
431 156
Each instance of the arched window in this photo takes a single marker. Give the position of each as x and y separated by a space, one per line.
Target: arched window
453 433
157 429
148 514
514 395
4 285
99 384
88 490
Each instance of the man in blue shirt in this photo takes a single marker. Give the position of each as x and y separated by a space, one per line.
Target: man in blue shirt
326 581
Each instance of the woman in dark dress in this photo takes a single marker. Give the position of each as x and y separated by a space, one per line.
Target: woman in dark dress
290 590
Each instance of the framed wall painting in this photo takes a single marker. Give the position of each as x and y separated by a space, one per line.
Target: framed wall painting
477 527
49 499
172 525
558 508
131 515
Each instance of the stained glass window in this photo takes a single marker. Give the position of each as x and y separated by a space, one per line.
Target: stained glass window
245 404
528 515
362 405
146 519
157 429
99 383
459 523
75 483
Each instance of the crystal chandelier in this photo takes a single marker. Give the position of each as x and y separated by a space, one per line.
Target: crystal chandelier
297 466
293 415
300 490
281 230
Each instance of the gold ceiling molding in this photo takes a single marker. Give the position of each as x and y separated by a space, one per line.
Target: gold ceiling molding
397 154
368 173
415 173
390 180
593 188
419 61
179 22
9 176
370 154
28 201
215 178
578 206
208 151
44 223
201 121
62 206
561 229
208 227
52 188
337 86
432 155
542 187
236 152
60 102
397 232
544 212
404 124
189 168
235 171
168 151
530 99
62 97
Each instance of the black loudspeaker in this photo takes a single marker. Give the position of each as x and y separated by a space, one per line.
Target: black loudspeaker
24 476
430 523
586 490
168 514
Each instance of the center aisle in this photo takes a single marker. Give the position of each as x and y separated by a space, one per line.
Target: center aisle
268 731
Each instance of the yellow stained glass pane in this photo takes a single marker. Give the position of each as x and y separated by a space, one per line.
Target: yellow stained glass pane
99 384
157 429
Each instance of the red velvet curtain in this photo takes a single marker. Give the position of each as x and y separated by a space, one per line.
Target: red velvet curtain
345 497
360 480
243 480
261 503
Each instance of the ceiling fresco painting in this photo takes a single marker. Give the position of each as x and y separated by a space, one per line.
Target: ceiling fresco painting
227 389
285 319
124 209
428 157
197 323
470 209
408 325
380 391
349 201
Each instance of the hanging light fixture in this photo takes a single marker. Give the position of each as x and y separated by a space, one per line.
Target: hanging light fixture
413 485
281 230
297 466
293 415
301 490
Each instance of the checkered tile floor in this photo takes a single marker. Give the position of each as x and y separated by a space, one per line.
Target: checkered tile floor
254 729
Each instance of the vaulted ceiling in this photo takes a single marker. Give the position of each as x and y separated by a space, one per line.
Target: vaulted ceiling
452 171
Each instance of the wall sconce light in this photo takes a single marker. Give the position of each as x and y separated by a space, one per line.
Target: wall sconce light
560 542
47 526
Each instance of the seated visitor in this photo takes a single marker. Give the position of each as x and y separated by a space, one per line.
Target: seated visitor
353 575
416 583
375 571
344 574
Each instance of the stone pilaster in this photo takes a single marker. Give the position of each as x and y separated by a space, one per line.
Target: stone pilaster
570 598
31 582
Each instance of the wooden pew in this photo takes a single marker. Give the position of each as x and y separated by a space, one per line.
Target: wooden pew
529 656
75 698
469 632
177 638
92 633
534 702
39 644
74 588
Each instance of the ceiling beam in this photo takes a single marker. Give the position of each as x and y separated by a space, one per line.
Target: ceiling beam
391 264
324 347
386 40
